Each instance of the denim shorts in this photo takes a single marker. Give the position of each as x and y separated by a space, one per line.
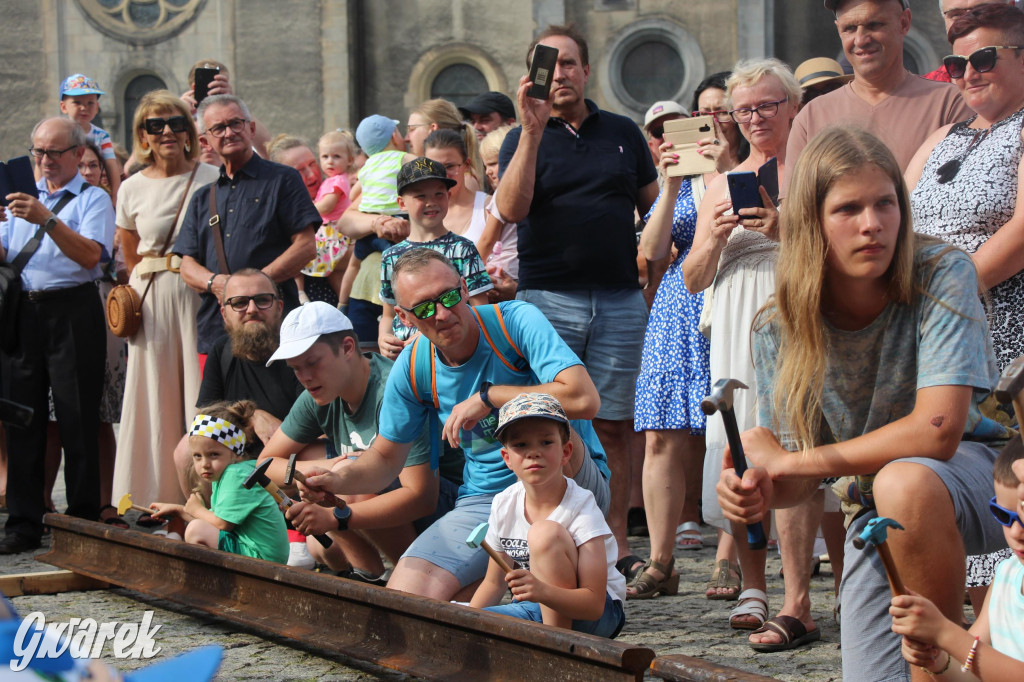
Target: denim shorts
606 330
868 642
608 625
444 542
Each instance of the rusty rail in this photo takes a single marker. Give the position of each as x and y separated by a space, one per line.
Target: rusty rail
680 668
423 637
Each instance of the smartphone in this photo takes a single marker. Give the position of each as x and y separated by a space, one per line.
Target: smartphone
542 69
204 76
768 177
743 190
684 133
17 176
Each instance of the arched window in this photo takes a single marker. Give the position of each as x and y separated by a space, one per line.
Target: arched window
653 70
133 93
458 83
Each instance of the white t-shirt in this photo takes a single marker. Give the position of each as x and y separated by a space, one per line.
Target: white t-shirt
577 511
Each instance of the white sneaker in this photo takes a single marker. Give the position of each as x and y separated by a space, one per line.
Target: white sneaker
299 556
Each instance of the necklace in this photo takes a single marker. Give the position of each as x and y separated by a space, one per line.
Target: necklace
948 170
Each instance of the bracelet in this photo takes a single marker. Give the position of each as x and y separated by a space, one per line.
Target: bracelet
949 659
209 283
969 661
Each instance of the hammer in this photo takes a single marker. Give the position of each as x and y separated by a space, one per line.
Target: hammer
1010 385
125 503
875 533
292 472
720 400
259 477
476 539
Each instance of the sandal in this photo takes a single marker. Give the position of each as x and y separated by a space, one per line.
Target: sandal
116 521
688 536
723 578
790 629
753 602
149 521
646 586
627 566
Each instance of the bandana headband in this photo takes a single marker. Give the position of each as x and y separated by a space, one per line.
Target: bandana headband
220 430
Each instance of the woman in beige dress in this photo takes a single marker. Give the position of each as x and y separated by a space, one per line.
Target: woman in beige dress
163 369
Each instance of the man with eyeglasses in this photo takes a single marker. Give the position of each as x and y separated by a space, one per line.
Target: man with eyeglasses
265 217
59 339
951 10
474 373
900 108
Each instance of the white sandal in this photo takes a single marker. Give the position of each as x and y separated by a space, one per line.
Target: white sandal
689 531
752 602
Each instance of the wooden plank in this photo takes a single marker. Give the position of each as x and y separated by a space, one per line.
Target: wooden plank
48 582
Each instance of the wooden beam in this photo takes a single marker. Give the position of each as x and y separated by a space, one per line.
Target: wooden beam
48 582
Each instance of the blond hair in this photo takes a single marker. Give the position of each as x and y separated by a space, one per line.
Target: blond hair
161 102
343 137
444 114
749 72
283 142
491 144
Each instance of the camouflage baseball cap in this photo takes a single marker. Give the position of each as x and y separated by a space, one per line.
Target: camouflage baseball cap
526 405
422 168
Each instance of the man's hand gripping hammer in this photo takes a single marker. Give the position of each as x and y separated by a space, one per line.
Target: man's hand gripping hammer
259 477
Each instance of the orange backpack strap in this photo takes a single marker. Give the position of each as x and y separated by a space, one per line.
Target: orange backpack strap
492 326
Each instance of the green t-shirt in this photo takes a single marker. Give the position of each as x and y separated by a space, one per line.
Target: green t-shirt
259 523
307 421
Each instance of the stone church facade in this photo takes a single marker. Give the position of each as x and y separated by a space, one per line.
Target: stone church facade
305 66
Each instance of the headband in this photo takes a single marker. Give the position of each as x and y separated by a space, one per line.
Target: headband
220 430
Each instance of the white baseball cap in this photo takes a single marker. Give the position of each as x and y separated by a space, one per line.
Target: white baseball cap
665 108
304 325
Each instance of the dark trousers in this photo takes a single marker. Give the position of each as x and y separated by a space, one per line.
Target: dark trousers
61 344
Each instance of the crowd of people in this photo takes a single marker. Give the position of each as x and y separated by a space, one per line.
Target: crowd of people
511 314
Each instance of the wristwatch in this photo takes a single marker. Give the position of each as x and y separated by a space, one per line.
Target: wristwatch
485 388
342 515
50 223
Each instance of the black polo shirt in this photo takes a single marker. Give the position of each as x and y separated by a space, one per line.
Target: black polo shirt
260 209
579 233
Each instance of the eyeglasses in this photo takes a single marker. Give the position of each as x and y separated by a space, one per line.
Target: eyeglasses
1003 515
235 125
53 154
155 126
766 110
983 60
241 303
428 309
721 115
413 126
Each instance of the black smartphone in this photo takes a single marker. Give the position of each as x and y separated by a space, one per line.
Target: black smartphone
743 190
204 76
542 69
17 176
768 177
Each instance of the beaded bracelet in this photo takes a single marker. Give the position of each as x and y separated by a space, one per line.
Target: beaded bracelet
969 661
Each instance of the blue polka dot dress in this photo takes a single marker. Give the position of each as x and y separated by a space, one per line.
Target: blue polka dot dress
674 371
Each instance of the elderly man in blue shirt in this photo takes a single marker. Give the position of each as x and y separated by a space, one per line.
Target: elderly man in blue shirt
60 340
266 217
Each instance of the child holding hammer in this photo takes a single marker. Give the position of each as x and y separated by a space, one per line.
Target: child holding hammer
239 520
993 649
551 528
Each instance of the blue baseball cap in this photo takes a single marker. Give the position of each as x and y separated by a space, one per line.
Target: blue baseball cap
374 133
79 84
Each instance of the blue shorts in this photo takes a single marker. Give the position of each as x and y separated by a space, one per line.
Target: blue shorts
608 625
606 330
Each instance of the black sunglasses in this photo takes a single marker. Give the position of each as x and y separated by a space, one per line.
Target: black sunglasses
428 309
241 303
1003 515
155 126
983 60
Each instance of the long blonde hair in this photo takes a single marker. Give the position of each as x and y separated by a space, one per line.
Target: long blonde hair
800 273
446 115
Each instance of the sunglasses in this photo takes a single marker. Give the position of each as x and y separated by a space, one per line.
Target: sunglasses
721 115
155 126
428 309
241 303
983 60
1003 515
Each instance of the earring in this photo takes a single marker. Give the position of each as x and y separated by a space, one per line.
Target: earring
188 147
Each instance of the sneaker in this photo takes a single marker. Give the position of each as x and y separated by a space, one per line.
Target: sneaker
299 556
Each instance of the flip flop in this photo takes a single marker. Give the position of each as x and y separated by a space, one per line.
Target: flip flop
688 536
790 629
753 602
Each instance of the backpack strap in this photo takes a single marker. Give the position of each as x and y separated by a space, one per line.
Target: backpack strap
421 376
492 326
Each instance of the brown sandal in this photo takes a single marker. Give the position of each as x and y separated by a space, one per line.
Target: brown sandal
646 586
723 578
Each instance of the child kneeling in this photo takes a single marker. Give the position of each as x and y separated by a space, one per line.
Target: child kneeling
569 577
239 520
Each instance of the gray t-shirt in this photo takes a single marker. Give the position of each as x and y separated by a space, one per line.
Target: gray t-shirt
873 373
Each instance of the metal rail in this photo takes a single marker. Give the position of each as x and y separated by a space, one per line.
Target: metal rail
680 668
423 637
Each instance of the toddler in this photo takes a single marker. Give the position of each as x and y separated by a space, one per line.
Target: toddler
80 101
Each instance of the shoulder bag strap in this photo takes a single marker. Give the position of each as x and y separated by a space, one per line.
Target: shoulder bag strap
32 245
170 233
218 237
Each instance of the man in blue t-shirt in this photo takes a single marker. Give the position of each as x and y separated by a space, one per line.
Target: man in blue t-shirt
472 382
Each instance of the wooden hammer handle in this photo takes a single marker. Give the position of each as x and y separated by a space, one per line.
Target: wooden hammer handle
895 584
496 555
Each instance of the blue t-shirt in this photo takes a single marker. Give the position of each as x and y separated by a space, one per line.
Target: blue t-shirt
403 416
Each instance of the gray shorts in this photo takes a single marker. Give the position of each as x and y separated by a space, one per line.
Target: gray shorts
606 330
868 642
444 542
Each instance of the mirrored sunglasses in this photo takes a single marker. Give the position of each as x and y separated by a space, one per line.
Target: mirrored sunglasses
428 309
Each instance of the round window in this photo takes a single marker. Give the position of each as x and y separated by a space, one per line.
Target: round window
653 71
458 83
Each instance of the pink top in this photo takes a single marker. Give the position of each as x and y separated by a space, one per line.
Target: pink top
337 184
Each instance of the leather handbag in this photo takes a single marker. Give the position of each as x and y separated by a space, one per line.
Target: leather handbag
124 305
